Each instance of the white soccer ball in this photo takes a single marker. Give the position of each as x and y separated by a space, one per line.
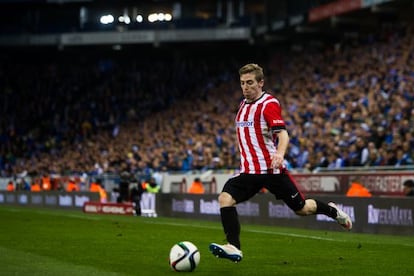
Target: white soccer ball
184 256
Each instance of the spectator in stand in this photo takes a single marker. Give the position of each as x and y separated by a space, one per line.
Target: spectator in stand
72 186
94 186
391 157
363 150
197 187
335 160
35 186
402 158
357 189
373 158
103 196
10 186
136 193
321 161
150 188
409 187
354 159
124 184
46 182
22 185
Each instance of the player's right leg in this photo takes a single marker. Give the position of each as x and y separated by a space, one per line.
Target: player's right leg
342 218
288 190
313 206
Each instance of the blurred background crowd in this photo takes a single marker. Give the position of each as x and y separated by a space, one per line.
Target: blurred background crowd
349 104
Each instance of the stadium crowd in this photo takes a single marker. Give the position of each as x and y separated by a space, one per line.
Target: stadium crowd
349 105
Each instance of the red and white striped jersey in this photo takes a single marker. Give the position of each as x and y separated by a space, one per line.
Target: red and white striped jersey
256 123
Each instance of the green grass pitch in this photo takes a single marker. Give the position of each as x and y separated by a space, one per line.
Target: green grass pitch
61 242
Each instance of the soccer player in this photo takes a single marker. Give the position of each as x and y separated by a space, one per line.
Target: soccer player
263 141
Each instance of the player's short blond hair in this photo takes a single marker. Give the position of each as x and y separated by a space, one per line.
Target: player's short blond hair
252 68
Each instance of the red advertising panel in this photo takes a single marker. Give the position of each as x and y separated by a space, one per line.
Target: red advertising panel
334 8
109 208
378 183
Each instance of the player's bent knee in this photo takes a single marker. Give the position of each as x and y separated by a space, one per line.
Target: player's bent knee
225 200
308 209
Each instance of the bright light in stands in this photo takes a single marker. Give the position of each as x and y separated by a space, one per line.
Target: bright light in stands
124 19
152 17
168 17
107 19
139 18
159 17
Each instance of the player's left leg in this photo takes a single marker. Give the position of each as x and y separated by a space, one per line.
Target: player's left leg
231 227
227 251
236 189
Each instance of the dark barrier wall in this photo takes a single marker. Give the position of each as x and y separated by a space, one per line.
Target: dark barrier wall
48 199
369 215
382 215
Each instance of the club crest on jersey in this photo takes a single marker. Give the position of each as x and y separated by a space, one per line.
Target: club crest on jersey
244 124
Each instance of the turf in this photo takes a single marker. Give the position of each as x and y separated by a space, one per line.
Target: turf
62 242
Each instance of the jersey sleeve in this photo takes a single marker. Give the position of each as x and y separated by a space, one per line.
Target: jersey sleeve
273 116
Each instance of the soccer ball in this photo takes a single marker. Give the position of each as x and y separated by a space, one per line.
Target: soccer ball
184 256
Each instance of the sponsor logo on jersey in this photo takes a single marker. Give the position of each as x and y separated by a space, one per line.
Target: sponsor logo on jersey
244 124
278 122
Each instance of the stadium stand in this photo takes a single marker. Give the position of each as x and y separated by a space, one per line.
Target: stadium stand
88 110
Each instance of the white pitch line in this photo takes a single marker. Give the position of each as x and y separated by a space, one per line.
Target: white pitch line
152 221
275 233
253 231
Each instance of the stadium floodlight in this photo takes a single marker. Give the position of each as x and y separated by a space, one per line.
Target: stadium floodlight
152 17
106 19
139 18
159 17
167 17
124 19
